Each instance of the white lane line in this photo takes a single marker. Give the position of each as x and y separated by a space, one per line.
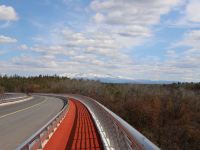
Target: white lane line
15 102
23 109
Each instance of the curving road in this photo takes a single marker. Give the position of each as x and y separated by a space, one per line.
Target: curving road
19 121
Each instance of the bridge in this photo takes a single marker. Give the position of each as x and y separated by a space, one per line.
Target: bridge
59 122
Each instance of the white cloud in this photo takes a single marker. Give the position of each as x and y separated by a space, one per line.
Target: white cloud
8 13
131 12
98 18
192 11
185 64
2 52
23 47
52 50
29 61
183 61
6 39
189 15
190 39
129 22
106 43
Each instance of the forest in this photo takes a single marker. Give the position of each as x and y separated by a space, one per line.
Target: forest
168 114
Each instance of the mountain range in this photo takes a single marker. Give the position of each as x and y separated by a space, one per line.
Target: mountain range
107 78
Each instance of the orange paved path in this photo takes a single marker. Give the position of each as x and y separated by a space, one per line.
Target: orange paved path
76 132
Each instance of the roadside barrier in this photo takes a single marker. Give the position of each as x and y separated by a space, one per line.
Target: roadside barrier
41 137
116 133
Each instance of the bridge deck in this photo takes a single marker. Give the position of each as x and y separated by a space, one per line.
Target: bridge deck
77 131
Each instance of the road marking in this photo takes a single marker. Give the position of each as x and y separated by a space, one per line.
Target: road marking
15 102
23 109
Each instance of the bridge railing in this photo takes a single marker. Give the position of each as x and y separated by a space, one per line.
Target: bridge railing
41 137
116 133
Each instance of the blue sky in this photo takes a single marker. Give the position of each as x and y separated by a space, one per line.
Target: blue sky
149 39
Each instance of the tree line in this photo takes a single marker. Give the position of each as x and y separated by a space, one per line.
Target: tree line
169 115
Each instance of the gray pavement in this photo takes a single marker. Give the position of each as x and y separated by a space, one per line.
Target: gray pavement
19 121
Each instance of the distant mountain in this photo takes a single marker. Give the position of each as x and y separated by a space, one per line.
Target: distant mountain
107 78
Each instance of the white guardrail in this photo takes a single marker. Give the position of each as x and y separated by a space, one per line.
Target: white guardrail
115 133
40 138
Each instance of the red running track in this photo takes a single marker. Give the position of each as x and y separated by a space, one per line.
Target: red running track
76 132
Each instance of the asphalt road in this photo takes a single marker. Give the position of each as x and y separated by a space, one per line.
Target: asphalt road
19 121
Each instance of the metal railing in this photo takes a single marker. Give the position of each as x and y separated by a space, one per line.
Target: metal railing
40 138
115 133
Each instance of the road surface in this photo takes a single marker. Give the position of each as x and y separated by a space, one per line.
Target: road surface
19 121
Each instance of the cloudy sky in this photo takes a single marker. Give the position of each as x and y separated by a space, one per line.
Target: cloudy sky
137 39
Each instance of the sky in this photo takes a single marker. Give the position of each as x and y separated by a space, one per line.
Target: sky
131 39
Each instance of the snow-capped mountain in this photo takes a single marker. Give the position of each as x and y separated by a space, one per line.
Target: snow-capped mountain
86 75
108 78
